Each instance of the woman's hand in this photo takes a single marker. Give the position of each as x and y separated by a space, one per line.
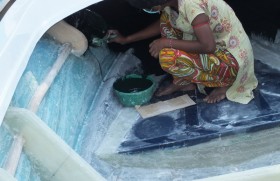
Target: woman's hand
116 37
157 45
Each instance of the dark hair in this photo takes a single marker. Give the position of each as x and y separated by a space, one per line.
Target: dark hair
142 4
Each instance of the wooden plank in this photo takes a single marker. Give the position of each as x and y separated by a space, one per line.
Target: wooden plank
165 106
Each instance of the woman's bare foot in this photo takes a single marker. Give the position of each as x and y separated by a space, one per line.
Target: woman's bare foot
216 95
173 88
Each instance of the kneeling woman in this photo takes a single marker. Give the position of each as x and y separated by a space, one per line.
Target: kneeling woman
202 43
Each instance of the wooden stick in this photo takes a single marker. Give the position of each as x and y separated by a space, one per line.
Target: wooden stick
45 85
14 155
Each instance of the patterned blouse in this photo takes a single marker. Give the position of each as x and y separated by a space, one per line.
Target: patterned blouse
229 34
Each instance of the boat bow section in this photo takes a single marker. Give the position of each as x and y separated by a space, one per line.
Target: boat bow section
20 29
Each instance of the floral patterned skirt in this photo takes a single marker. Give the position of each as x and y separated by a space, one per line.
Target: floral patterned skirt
211 70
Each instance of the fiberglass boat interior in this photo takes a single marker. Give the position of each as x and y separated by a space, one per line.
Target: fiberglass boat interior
185 144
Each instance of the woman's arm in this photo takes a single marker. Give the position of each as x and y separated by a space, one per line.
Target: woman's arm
146 33
205 42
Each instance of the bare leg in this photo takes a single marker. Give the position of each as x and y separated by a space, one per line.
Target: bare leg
216 95
173 88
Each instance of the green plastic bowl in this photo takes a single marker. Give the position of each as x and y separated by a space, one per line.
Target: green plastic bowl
134 89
